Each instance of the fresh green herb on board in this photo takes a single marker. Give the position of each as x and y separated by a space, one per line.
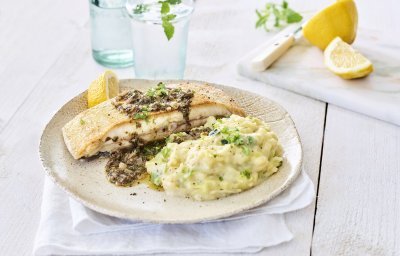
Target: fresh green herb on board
275 15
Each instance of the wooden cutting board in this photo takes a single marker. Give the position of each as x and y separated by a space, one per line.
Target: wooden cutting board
302 70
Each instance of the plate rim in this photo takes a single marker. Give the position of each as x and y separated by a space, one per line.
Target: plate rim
118 214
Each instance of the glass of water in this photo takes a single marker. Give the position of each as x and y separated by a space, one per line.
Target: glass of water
111 33
155 55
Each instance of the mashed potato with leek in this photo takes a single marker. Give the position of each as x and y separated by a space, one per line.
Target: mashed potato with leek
238 154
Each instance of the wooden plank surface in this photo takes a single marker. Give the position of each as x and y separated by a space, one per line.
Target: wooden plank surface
358 211
215 60
33 35
21 181
21 173
46 60
358 204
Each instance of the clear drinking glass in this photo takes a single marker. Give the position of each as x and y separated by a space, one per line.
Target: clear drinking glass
155 56
111 33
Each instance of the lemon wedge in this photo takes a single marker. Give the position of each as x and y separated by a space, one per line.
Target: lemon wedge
346 62
339 19
103 88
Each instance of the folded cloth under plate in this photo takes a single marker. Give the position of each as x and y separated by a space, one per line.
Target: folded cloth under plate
68 228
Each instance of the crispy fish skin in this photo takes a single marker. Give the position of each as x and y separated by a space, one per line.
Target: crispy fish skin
94 129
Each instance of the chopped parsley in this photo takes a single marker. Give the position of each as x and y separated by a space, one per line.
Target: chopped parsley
82 121
246 173
188 172
160 90
234 137
155 178
141 115
220 178
165 152
246 150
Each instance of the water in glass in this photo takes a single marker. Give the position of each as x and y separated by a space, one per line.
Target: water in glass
111 33
155 56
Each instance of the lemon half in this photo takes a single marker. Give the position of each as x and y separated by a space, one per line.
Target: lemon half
105 87
339 19
346 62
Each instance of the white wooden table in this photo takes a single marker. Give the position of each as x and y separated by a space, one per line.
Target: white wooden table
353 160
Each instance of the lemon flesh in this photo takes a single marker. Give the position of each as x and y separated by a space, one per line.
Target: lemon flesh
105 87
346 62
339 19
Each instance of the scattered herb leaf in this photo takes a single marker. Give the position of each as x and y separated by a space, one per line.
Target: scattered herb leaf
82 122
293 17
278 15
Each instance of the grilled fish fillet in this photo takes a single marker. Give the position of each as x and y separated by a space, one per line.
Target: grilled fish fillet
104 128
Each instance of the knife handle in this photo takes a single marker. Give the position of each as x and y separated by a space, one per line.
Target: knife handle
274 50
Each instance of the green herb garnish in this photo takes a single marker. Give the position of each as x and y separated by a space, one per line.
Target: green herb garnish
141 8
165 152
82 121
246 173
169 29
155 178
141 115
246 150
232 136
166 17
277 14
188 172
250 140
220 178
159 90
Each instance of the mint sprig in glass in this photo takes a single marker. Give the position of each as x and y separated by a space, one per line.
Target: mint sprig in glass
160 32
166 16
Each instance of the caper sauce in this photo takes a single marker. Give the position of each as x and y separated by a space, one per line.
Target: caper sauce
125 167
137 104
128 165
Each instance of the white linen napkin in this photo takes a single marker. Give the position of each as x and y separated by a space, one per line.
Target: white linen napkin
68 228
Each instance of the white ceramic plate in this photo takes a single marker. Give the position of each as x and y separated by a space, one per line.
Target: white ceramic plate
86 181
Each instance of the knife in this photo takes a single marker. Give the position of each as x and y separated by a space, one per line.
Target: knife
278 46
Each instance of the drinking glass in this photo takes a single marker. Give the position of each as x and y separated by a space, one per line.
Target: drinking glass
155 56
111 33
